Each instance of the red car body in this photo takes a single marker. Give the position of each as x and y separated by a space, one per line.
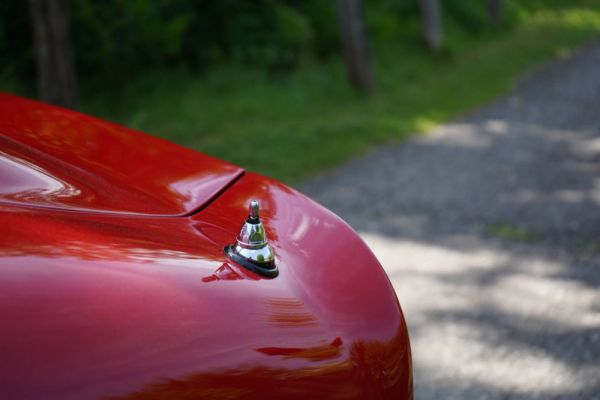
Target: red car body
114 283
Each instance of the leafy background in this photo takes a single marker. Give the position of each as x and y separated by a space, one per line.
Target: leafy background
216 75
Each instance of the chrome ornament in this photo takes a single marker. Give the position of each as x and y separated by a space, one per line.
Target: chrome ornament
251 249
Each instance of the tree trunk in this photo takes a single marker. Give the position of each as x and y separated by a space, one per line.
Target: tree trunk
355 47
495 11
431 24
57 81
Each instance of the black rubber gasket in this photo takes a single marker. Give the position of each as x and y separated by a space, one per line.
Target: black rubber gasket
268 270
252 220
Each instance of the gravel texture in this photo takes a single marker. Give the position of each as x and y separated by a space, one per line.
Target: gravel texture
489 229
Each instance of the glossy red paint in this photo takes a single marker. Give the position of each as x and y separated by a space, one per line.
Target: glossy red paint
52 157
104 305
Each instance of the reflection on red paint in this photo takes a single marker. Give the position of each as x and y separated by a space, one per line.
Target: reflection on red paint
289 312
355 378
316 353
70 161
146 307
228 272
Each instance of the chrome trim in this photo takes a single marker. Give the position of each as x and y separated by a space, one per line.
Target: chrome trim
252 245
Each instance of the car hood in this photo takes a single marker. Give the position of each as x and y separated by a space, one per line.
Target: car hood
128 305
55 158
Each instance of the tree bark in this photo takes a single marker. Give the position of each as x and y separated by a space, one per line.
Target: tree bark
495 11
431 24
355 47
57 80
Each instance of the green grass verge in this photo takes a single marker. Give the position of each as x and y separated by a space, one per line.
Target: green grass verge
294 126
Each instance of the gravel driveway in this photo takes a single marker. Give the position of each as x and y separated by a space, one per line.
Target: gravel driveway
489 229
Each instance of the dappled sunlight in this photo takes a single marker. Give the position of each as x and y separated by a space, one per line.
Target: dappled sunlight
367 369
463 135
490 317
527 294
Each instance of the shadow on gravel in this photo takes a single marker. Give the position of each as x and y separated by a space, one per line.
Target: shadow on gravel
493 321
473 176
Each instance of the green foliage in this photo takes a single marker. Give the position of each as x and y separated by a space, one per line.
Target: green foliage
16 53
310 119
295 34
266 33
114 39
510 232
322 19
202 73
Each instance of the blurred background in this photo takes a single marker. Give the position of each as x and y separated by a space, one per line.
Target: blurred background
210 74
461 139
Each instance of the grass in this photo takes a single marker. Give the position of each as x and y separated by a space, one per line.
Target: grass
510 232
292 127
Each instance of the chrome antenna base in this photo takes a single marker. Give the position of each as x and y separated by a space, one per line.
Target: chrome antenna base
251 249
